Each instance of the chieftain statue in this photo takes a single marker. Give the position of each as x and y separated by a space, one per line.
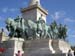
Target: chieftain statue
30 30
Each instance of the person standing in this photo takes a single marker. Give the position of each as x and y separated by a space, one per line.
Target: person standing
70 53
19 54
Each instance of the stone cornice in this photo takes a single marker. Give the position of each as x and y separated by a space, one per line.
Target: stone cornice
34 7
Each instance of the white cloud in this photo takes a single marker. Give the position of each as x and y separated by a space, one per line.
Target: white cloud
68 29
69 20
4 10
13 9
57 15
71 32
72 35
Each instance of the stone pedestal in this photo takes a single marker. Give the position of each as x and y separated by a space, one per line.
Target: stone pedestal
36 48
42 47
46 47
12 46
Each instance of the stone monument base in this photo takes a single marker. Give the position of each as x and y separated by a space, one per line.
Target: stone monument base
46 47
42 47
12 46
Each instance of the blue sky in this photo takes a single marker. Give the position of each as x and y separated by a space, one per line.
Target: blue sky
63 11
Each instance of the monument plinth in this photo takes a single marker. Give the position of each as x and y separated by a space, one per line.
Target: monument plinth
46 47
12 46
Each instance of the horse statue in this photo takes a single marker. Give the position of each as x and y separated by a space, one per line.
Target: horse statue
16 27
28 29
11 27
54 30
43 28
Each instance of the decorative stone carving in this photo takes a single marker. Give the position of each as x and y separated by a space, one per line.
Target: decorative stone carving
33 2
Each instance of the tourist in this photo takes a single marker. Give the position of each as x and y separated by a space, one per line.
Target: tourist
70 53
74 53
19 54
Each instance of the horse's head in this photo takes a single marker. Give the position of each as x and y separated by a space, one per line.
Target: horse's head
9 21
